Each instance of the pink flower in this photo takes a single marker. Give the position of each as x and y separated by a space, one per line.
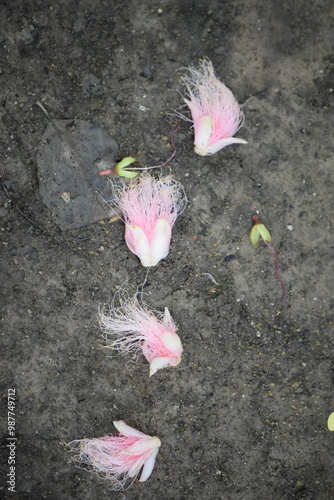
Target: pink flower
215 112
150 207
131 328
119 458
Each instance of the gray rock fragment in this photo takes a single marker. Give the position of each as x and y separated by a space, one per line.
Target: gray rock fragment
68 175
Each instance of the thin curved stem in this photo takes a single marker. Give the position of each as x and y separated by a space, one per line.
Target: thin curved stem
167 161
277 268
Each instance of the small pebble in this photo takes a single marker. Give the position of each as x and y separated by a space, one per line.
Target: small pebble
228 258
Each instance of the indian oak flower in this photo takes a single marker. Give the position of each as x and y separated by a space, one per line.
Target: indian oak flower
118 458
150 207
216 114
132 328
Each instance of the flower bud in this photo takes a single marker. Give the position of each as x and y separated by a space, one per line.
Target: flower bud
120 168
259 231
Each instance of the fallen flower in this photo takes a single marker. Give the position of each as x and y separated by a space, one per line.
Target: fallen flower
118 458
150 207
131 328
216 114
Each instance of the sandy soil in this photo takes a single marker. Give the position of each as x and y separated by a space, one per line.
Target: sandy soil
244 415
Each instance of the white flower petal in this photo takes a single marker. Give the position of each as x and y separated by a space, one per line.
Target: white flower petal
162 234
137 242
155 444
140 446
202 134
134 470
158 363
128 431
213 148
149 464
167 319
172 342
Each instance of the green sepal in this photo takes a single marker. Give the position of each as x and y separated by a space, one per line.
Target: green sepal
259 231
120 168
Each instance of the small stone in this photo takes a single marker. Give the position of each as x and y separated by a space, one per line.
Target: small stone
228 258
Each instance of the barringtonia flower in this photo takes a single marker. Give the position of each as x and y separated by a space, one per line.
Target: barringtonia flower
216 114
150 207
132 328
118 458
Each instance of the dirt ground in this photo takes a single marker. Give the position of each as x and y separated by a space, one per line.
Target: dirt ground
244 414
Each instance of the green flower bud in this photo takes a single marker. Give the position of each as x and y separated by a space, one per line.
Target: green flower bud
259 231
330 422
120 168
